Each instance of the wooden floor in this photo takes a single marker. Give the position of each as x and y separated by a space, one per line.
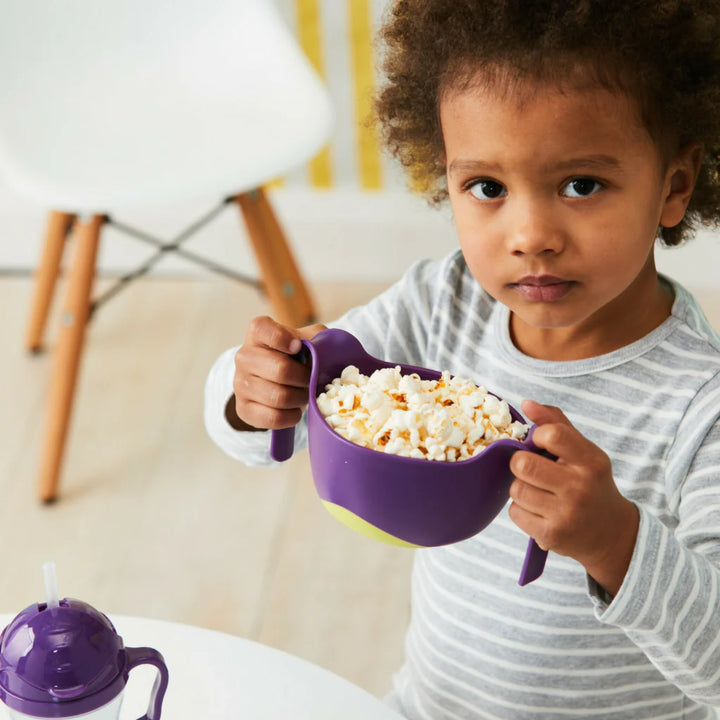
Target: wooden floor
154 520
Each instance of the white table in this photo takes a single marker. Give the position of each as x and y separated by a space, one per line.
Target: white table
215 676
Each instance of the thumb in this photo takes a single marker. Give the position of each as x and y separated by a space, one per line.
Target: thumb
310 331
304 333
543 414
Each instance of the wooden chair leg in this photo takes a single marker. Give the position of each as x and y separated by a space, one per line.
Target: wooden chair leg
283 283
76 311
58 227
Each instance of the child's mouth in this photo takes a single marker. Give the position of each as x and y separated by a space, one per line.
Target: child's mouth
542 288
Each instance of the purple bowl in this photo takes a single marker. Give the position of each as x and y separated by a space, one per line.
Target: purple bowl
400 500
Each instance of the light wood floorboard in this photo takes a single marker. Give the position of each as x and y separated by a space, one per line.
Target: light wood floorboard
154 520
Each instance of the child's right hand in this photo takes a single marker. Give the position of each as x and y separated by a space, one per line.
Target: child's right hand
271 387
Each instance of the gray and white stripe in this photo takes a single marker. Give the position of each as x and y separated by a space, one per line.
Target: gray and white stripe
478 645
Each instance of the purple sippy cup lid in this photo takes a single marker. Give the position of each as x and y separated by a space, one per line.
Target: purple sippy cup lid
60 660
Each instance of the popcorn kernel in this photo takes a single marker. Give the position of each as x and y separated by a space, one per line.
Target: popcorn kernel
449 419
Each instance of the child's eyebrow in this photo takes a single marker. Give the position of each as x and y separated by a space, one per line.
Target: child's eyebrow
464 167
594 162
590 161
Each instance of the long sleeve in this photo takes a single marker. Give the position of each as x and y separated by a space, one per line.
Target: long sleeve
669 604
251 448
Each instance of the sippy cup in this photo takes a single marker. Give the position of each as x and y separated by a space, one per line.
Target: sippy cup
64 659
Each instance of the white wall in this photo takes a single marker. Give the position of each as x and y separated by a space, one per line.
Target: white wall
340 234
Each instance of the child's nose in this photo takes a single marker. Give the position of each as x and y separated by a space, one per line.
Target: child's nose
534 230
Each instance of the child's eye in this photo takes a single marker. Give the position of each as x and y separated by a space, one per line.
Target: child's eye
581 187
486 189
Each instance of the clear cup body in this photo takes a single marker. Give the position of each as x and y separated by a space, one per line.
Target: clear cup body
109 711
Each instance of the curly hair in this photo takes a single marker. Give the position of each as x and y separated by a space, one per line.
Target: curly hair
663 53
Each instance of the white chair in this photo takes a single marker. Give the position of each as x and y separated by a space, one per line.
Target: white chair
108 104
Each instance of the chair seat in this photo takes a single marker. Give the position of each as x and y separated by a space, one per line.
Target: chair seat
194 99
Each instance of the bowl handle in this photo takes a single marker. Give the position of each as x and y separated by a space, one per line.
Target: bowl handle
282 442
534 564
535 556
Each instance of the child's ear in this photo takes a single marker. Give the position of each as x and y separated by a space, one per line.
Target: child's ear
680 182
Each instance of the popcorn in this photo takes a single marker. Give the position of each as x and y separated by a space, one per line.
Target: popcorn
449 419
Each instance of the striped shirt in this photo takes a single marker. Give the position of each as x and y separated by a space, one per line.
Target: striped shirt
479 645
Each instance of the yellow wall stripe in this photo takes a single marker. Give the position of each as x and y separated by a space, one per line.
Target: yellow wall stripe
363 66
309 31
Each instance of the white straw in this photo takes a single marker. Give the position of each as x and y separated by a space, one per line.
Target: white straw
51 591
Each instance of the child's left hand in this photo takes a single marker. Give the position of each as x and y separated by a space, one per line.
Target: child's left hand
572 505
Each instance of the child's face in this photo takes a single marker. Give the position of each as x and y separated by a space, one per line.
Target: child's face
557 200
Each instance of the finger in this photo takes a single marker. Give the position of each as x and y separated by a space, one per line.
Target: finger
533 499
535 469
261 416
556 434
271 365
258 390
530 523
566 443
268 333
543 414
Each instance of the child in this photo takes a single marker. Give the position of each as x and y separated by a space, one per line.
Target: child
568 136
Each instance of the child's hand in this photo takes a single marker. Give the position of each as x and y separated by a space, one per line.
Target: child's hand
572 505
271 388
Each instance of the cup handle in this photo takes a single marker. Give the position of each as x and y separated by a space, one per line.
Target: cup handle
148 656
282 442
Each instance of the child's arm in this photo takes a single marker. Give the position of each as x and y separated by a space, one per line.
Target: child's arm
572 506
240 396
270 386
668 602
222 422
